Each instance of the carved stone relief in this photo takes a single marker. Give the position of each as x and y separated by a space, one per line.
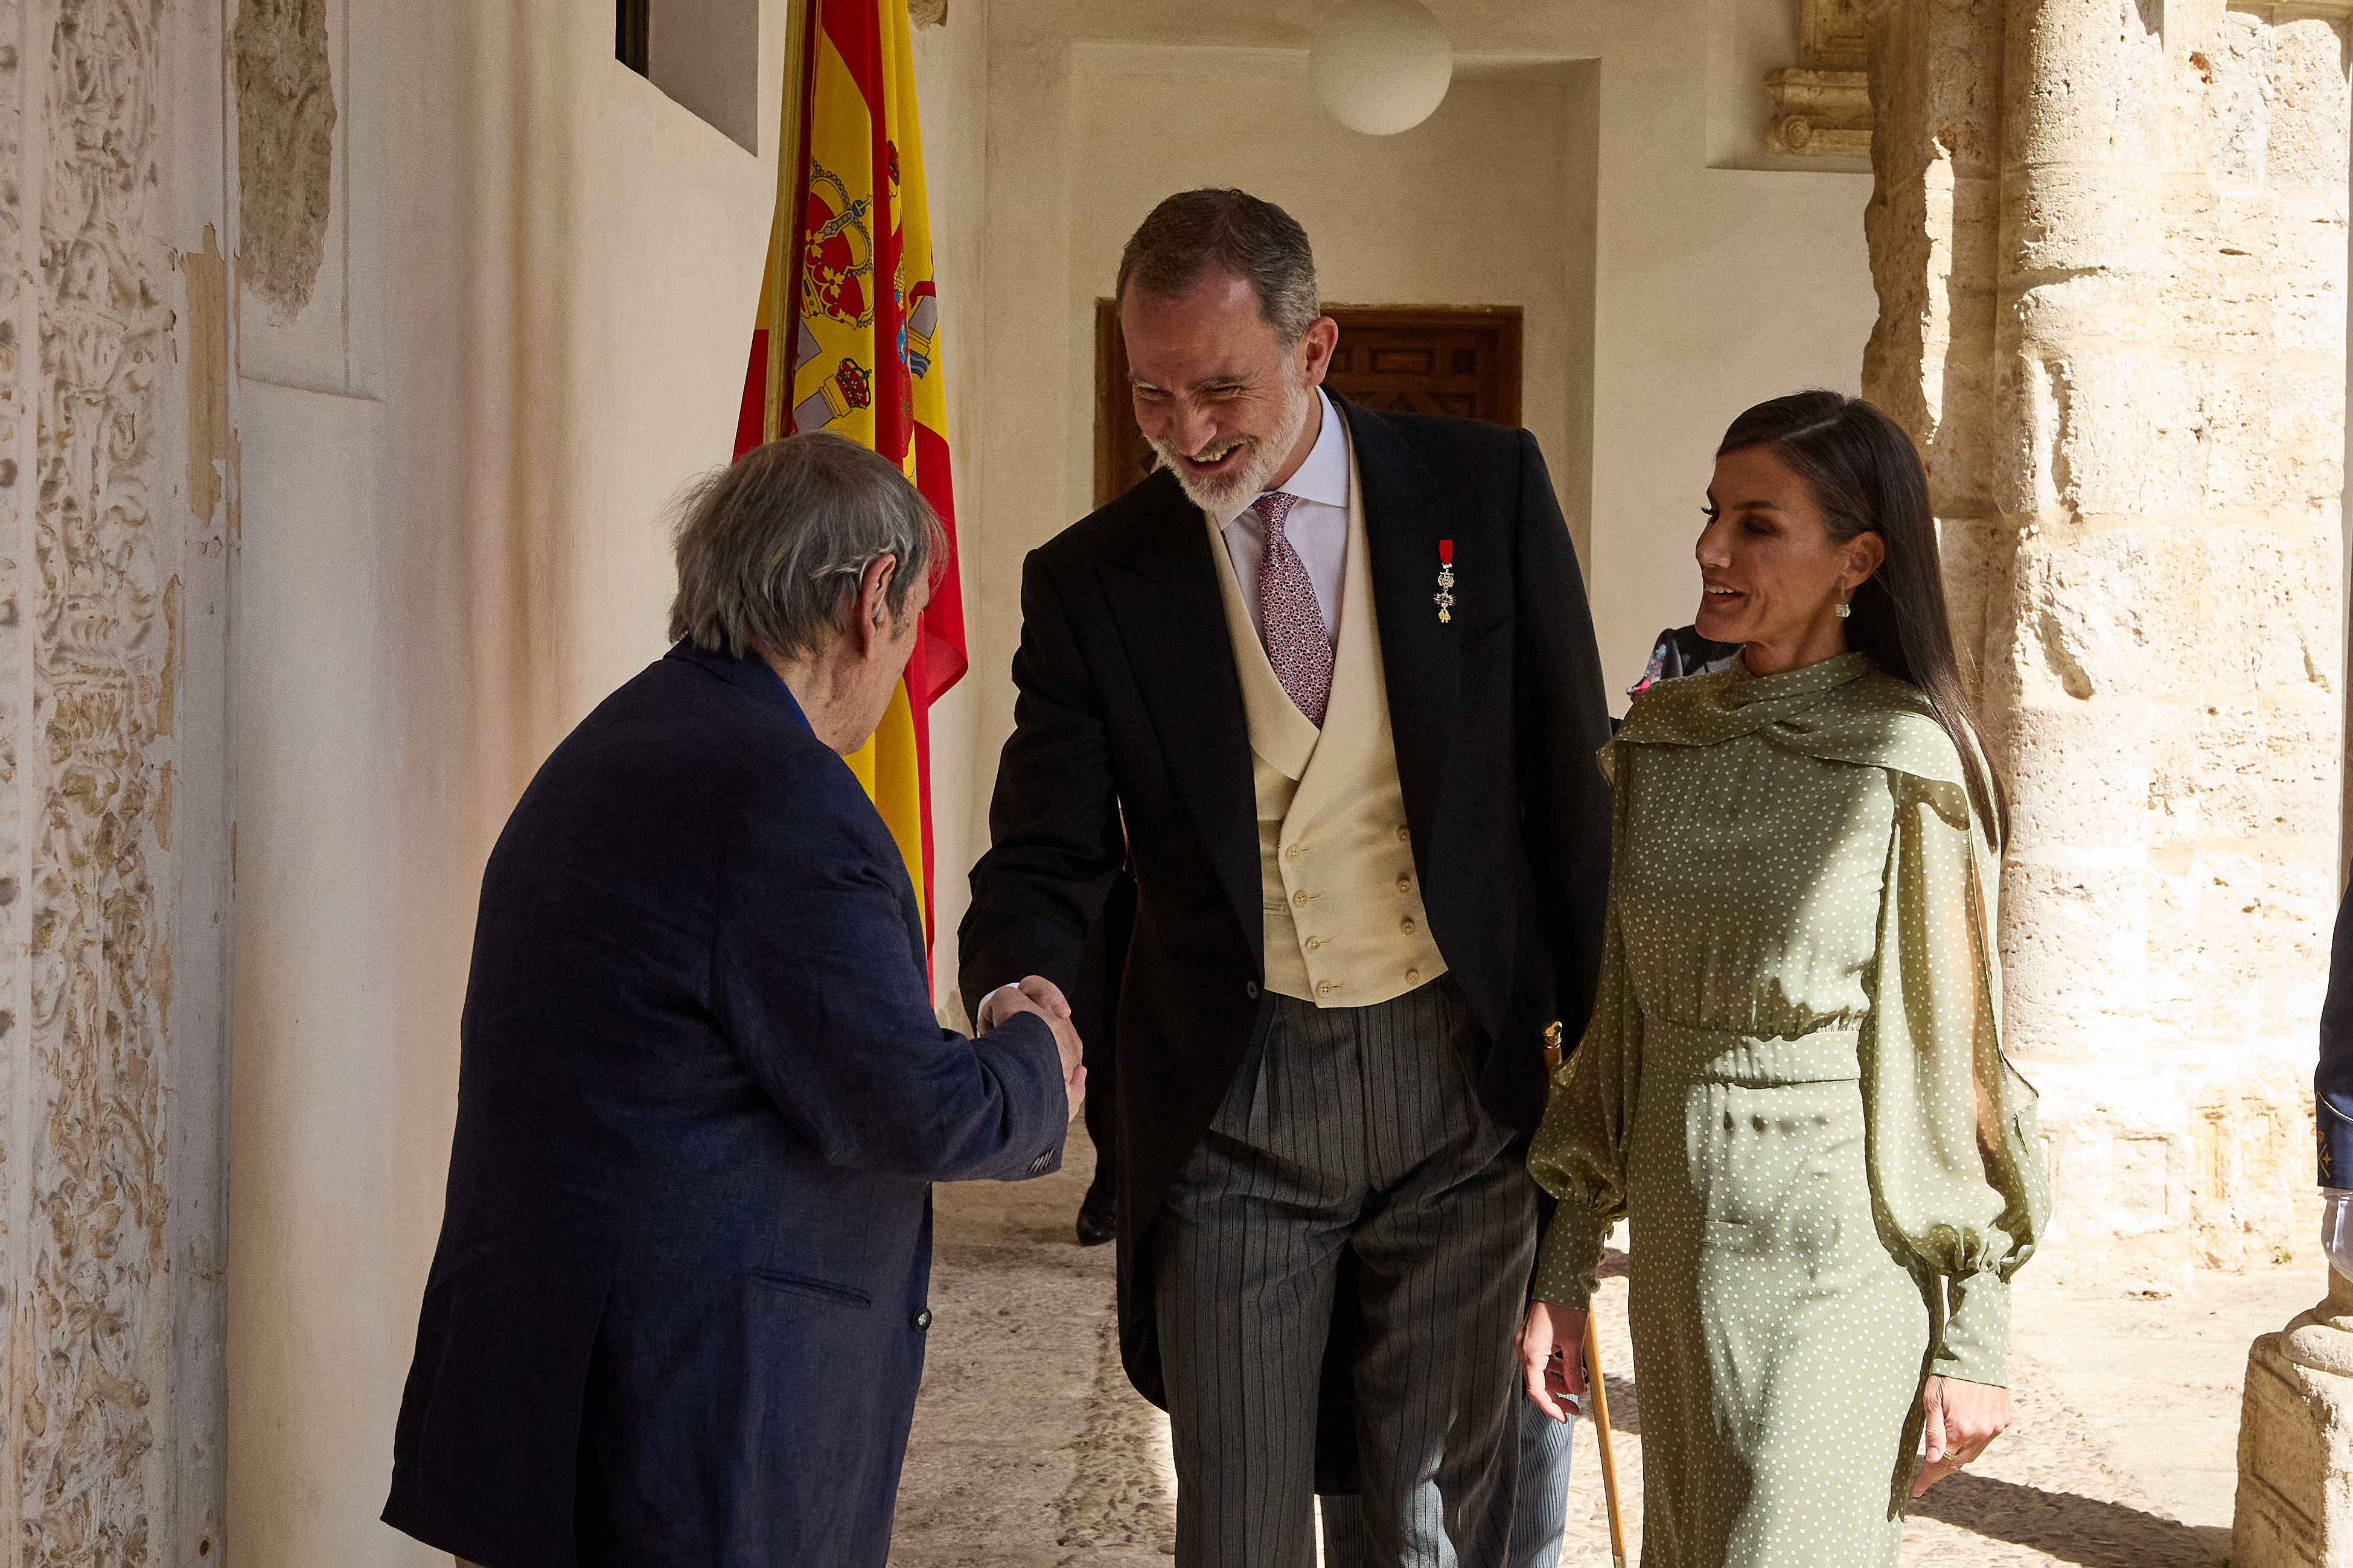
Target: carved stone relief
87 666
1830 35
1822 105
928 12
285 146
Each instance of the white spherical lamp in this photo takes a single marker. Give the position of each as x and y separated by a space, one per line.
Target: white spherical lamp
1381 65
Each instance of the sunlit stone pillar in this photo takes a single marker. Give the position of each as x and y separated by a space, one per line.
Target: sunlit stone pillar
2295 1442
2109 240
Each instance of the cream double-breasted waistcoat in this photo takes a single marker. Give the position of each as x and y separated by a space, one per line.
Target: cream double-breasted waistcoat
1343 921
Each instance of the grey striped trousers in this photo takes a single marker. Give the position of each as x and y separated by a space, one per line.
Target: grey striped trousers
1357 1127
1539 1510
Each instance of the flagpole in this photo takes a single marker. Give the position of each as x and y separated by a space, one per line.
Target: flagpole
784 231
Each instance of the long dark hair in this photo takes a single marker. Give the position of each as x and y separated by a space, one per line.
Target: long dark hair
1866 476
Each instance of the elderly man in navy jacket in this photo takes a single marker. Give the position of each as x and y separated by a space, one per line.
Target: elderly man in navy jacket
677 1312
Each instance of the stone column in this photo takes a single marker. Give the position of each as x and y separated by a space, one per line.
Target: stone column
2295 1442
2109 240
116 491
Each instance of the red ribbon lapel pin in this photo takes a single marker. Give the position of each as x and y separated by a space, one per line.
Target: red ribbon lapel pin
1444 598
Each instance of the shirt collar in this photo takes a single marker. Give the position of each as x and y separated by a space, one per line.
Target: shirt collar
751 674
1323 476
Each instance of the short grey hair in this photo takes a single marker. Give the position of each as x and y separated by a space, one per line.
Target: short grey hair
770 549
1195 233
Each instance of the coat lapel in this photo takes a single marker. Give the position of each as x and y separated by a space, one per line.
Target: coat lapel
1407 510
1166 602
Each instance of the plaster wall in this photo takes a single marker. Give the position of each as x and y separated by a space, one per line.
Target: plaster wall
952 83
1583 130
528 329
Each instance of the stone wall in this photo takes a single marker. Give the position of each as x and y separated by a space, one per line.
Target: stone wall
2109 240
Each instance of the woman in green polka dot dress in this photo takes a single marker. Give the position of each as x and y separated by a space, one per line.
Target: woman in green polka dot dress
1792 1084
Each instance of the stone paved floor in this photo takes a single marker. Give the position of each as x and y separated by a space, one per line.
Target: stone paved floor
1030 1451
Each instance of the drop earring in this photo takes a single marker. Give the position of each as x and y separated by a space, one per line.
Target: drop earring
1843 609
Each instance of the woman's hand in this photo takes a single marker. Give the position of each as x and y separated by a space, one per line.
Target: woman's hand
1963 1417
1552 1356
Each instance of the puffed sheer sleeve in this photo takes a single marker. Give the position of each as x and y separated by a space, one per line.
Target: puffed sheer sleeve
1579 1156
1954 1147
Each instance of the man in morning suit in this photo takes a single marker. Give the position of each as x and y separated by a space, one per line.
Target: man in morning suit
2332 1098
677 1315
1370 849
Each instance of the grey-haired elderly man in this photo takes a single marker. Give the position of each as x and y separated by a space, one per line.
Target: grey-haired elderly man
677 1313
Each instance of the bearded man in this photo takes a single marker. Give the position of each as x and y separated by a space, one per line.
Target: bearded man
1334 671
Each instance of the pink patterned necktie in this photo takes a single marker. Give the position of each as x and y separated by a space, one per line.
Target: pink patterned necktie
1297 644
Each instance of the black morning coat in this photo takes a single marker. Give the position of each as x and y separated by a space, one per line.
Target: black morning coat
2332 1081
1128 703
677 1313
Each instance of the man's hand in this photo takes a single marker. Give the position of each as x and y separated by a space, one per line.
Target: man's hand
1043 997
1552 1357
1963 1417
1037 988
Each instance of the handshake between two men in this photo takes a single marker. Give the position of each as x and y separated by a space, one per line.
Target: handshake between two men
1320 688
1036 995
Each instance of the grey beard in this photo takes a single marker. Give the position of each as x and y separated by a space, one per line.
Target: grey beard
1249 481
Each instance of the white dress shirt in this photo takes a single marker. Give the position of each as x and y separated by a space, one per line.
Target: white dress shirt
1317 526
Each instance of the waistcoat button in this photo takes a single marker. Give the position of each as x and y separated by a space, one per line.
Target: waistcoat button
1405 884
1413 977
1406 926
1404 836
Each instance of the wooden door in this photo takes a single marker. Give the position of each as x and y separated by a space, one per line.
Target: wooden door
1463 360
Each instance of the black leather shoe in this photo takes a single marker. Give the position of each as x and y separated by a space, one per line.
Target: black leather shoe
1097 1226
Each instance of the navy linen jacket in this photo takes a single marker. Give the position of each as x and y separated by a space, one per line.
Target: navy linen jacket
676 1316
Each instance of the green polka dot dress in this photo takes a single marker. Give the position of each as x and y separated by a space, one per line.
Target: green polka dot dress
1793 1086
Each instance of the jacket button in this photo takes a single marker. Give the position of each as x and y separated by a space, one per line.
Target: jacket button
1249 989
1413 977
923 1320
1299 899
1292 853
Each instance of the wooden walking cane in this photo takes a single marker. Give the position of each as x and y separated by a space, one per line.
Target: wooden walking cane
1597 1399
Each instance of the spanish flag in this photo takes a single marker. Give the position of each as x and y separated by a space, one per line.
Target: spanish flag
847 340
